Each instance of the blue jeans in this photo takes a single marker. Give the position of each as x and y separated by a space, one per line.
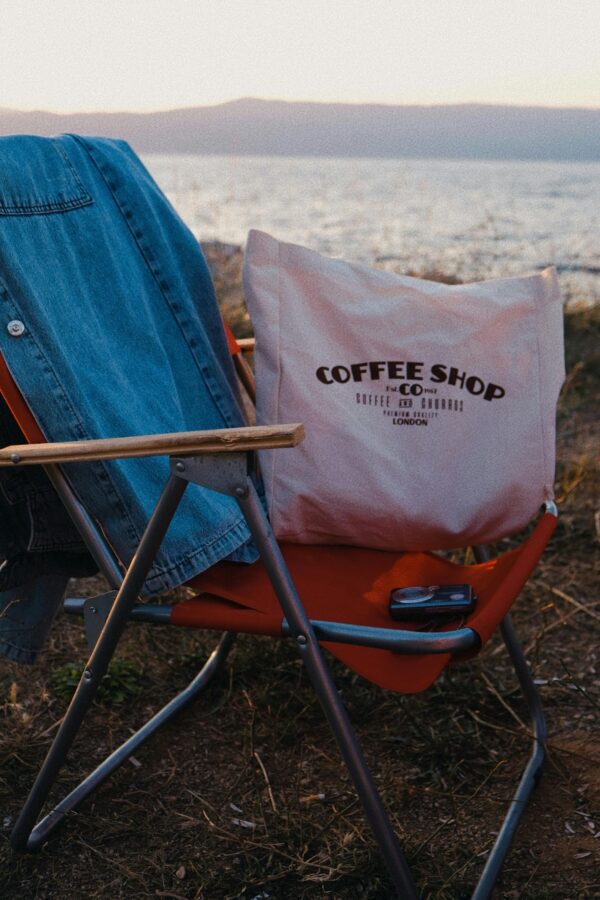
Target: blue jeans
110 327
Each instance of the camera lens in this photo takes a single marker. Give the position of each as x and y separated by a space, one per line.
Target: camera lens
412 595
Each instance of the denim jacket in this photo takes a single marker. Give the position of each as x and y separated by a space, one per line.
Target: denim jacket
110 327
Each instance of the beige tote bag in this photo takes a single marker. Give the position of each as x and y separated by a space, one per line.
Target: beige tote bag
429 409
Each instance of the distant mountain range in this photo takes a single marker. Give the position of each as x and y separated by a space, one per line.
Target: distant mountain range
274 127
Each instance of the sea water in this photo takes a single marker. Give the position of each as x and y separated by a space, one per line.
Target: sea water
470 219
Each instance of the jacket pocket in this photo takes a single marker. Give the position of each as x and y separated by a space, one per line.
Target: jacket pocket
37 178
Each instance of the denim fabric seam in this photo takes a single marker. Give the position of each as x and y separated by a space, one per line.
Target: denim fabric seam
229 531
103 474
52 207
44 542
73 171
15 653
161 283
13 495
180 570
172 563
44 209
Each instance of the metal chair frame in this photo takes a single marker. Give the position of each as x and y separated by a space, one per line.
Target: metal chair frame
230 473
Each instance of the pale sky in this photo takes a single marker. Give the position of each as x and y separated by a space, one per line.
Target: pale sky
89 55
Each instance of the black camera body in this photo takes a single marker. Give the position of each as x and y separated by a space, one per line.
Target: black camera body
420 603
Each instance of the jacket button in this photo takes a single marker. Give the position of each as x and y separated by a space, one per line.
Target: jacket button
15 328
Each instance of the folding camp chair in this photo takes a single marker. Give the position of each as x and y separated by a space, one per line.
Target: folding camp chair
313 595
330 596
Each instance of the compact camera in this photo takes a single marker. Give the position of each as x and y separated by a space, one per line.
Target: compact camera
436 601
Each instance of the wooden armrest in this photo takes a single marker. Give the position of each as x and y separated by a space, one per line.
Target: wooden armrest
185 443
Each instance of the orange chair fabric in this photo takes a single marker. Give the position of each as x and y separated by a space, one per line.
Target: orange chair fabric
353 584
15 402
234 347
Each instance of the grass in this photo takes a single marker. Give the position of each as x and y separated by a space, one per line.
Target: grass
244 795
123 681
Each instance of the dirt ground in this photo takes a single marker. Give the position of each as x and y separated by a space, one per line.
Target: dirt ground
244 794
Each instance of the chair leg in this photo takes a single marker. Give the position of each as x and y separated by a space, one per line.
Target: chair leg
98 661
531 773
38 835
324 687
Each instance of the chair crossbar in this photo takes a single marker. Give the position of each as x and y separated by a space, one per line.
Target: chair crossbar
459 640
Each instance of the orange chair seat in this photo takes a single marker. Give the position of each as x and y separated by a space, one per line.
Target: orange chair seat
352 585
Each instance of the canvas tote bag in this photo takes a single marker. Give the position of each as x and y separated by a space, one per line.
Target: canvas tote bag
429 409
